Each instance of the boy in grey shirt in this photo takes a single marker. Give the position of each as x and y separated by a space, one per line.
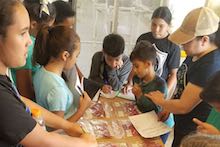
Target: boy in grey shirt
110 67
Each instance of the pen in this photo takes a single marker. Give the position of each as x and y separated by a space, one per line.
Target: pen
80 90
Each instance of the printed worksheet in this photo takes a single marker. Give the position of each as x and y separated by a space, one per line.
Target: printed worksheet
148 126
129 95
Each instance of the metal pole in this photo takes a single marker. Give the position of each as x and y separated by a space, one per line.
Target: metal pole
115 17
73 3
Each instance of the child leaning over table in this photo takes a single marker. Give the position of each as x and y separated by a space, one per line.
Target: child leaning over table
145 80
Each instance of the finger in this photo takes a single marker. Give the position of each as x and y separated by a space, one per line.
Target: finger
85 93
202 130
148 95
198 122
199 128
125 90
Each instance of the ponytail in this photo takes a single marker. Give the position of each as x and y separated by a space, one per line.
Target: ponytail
41 53
50 42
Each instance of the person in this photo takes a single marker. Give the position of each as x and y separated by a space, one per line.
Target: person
110 67
211 94
64 14
200 140
168 53
41 14
17 127
56 49
198 36
145 80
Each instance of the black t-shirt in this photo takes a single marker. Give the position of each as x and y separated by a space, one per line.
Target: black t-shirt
15 120
197 73
168 54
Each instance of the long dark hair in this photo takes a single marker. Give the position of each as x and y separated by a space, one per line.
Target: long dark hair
50 42
33 7
6 14
163 13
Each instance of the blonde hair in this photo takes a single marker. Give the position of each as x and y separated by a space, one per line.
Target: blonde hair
200 140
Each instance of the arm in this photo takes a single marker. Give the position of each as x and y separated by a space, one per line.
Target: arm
24 83
206 128
116 80
188 100
46 139
128 86
54 121
171 81
173 63
83 105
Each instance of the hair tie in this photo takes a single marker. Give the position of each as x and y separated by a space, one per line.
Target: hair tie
44 7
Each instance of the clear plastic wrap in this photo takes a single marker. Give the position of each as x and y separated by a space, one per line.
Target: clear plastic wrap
110 144
128 128
103 128
125 109
99 110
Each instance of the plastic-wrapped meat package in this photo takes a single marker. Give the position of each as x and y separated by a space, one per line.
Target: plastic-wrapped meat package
119 109
131 108
116 129
143 144
98 128
150 143
86 126
126 109
94 111
108 110
102 128
112 145
129 128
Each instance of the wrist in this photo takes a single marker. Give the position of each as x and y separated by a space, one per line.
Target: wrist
73 129
162 103
81 110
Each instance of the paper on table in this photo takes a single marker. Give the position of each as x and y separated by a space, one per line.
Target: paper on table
128 96
96 97
148 126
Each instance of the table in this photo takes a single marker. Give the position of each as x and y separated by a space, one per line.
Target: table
108 120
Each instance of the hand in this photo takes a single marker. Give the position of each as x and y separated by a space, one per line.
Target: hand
205 127
120 64
85 101
107 88
136 90
73 129
163 115
127 87
156 96
89 138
